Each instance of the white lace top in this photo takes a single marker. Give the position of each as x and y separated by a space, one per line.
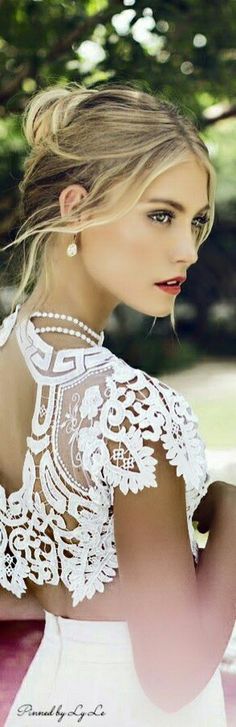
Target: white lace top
93 415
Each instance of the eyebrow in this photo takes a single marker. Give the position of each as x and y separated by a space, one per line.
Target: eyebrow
174 204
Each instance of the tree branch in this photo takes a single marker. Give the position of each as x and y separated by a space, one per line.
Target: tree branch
60 47
12 86
83 29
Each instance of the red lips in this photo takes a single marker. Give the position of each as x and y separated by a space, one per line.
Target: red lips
171 286
179 279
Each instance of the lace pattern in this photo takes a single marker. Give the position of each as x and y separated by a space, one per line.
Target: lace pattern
93 415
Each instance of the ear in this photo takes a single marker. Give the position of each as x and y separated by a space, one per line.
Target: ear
70 196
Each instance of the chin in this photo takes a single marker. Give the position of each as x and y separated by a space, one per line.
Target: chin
162 311
164 314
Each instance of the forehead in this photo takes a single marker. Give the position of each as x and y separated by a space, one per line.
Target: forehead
186 181
190 170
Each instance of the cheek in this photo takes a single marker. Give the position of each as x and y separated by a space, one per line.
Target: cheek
115 251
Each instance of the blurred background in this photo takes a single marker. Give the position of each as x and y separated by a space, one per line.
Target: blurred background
187 51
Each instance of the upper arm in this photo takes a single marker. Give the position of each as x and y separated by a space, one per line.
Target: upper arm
157 579
141 445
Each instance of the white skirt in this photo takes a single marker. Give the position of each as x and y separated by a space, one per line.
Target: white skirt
83 673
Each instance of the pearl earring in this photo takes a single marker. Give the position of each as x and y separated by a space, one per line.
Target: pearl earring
72 248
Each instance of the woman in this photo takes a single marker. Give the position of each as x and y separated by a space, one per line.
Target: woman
117 197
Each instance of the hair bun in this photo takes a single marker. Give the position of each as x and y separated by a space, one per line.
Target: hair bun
50 109
42 114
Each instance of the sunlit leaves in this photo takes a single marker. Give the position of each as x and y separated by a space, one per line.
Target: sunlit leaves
95 6
28 85
176 48
121 21
222 138
90 54
199 40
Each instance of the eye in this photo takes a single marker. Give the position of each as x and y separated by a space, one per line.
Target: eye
163 216
200 221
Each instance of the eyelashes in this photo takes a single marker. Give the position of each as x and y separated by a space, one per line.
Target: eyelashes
201 220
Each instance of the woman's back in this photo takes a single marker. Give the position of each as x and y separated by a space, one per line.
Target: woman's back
26 392
18 391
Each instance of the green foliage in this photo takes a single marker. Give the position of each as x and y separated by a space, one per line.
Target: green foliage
178 47
184 49
158 354
222 144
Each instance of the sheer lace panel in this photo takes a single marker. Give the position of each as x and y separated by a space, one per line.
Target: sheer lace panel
89 435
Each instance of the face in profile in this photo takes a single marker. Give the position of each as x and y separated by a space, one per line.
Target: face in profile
155 242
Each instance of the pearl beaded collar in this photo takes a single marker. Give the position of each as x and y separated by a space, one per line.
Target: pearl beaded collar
99 338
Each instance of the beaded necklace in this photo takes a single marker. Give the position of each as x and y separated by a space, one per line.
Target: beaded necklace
99 337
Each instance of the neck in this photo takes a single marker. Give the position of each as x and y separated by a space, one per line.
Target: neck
95 318
71 290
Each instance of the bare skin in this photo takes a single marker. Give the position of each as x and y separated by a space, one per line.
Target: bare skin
119 262
116 263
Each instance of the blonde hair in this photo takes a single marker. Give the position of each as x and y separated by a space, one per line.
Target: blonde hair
111 138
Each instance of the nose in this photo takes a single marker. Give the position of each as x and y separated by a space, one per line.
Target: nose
185 250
